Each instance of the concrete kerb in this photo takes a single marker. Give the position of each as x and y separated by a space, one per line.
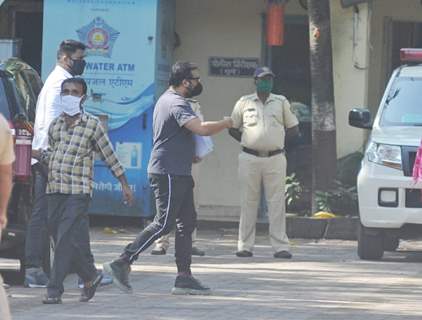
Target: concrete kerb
342 228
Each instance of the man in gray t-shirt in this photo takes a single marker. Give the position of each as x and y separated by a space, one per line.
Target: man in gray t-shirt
170 179
173 144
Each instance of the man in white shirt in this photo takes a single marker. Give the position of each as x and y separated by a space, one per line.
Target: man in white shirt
70 63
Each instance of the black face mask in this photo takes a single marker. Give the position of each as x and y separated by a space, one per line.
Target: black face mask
78 67
195 91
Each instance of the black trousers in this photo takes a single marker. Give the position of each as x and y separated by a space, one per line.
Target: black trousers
175 207
69 226
36 242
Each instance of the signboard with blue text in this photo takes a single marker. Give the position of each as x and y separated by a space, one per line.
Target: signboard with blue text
124 39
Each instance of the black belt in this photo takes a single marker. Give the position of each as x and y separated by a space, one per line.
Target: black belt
262 153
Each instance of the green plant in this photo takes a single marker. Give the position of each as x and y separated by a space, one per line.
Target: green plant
339 200
322 199
293 190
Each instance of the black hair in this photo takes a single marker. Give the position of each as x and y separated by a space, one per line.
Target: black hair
79 81
180 71
69 47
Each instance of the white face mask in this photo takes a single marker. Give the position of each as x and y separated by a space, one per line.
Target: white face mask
71 105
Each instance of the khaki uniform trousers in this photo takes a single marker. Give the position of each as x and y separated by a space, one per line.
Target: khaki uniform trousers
270 172
4 304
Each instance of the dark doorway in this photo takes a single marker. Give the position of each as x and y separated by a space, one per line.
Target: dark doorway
404 35
291 65
28 27
290 62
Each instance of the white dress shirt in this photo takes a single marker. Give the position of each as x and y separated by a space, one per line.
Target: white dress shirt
48 106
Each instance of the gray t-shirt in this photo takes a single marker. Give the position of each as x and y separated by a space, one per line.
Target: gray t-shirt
173 144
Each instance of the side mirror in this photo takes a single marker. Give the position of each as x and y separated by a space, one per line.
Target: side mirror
360 118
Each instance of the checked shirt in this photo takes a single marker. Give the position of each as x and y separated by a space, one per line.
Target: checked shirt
71 154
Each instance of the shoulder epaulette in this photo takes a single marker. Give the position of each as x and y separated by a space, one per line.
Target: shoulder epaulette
279 97
247 97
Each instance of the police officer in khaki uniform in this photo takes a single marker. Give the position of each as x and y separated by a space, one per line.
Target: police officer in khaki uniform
163 243
7 156
264 121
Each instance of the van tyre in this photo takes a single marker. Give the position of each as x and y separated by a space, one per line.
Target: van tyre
390 243
370 243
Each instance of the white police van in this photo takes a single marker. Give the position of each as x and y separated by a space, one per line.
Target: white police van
390 203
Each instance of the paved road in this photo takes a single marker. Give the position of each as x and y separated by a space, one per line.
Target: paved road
324 280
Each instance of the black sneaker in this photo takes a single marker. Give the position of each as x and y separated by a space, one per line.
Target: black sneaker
52 300
185 285
283 255
244 254
198 252
105 281
119 269
89 288
158 251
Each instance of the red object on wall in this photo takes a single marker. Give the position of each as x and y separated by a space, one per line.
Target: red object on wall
275 23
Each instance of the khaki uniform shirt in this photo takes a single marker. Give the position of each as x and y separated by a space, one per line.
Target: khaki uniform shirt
7 154
263 125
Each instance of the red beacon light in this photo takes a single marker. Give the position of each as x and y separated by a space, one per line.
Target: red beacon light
411 55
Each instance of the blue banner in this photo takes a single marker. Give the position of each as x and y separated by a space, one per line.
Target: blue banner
120 36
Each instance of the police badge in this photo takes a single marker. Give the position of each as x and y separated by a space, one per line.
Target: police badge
99 37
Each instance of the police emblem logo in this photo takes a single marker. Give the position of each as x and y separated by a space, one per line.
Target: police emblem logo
99 37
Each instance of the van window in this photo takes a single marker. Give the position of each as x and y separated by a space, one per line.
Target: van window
403 106
4 103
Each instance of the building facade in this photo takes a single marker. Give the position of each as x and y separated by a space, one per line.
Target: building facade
365 42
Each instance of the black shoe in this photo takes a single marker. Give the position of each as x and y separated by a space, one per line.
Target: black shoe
197 252
283 255
185 285
105 281
158 251
119 269
52 300
244 254
89 289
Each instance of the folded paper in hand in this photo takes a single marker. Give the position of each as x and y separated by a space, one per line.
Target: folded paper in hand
203 145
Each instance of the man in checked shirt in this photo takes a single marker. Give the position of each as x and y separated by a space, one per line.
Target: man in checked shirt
74 137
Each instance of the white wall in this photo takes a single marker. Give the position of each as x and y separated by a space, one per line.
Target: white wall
350 33
228 28
232 28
